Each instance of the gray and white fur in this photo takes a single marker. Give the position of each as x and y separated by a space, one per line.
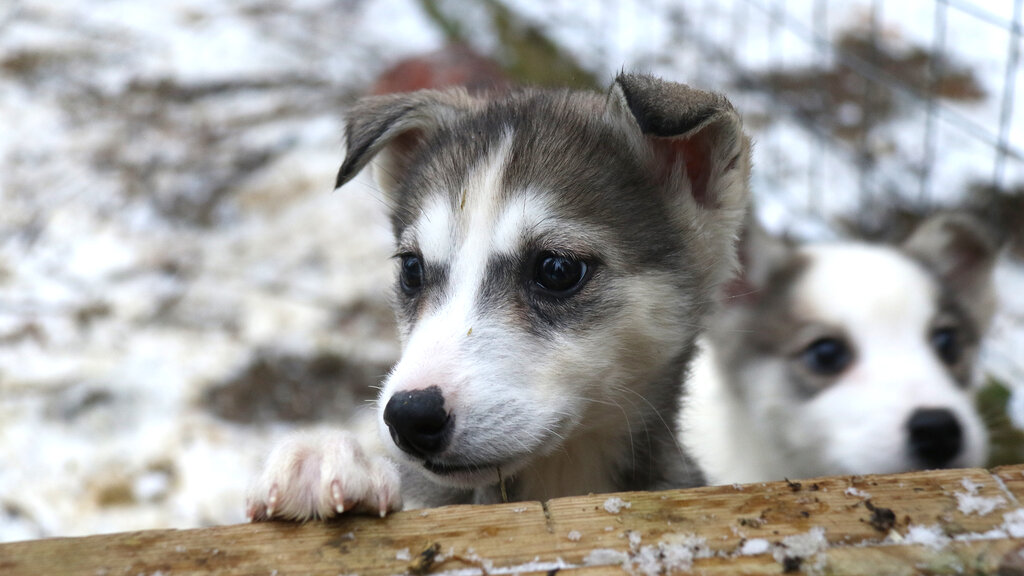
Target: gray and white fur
845 358
558 252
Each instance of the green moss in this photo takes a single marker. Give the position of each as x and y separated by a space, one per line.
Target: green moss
527 55
1007 442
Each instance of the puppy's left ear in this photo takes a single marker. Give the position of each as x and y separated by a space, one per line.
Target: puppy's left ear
962 251
761 257
698 153
393 129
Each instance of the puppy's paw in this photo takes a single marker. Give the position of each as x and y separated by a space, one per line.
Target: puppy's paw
318 475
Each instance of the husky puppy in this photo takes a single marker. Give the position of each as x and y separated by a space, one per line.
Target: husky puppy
557 253
845 358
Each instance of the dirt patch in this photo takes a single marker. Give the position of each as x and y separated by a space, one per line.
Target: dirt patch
882 519
195 143
118 488
292 388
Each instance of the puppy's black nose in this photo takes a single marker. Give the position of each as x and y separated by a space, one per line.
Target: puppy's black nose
935 436
418 421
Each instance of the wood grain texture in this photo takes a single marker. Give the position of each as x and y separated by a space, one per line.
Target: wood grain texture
862 525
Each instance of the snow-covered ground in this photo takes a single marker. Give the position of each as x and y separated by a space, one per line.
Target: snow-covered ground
166 220
172 258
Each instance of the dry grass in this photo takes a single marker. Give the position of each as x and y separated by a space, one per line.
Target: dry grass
820 94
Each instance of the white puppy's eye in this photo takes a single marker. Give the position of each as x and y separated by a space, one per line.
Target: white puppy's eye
827 356
558 275
946 343
411 274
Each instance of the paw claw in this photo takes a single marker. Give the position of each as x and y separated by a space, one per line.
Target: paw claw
272 498
338 497
255 511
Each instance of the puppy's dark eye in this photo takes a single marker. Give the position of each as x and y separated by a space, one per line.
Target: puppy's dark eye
411 274
946 343
827 356
559 275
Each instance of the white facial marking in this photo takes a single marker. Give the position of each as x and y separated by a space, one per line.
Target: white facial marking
476 222
433 230
452 346
458 237
523 216
866 289
884 302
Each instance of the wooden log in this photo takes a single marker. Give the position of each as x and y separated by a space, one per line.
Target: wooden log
938 522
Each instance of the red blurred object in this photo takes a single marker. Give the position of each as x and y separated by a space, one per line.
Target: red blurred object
453 65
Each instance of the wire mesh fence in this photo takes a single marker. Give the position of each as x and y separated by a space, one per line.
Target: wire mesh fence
913 102
868 115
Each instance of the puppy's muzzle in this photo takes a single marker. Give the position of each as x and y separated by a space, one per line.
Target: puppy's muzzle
418 421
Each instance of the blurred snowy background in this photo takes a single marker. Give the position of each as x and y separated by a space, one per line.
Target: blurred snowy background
179 286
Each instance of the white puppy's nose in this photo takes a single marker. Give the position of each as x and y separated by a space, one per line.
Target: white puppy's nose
418 421
936 436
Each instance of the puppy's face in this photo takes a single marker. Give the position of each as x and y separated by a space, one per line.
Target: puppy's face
529 305
549 265
866 365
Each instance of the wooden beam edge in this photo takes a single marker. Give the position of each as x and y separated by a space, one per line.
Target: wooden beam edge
753 529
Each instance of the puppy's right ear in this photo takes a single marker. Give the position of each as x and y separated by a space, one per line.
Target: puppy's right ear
392 129
698 154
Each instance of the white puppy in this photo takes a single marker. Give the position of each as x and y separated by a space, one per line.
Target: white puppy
845 358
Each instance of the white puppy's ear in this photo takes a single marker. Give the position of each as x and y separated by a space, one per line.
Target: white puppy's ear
761 256
697 149
392 129
962 251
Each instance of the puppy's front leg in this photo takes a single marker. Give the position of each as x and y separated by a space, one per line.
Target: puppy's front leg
317 475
